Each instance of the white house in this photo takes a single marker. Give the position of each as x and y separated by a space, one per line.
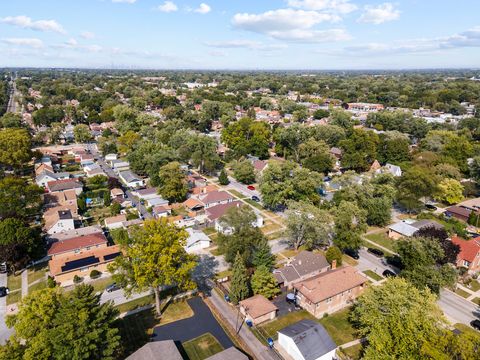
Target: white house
307 340
58 220
391 169
115 222
119 165
110 157
197 240
47 176
156 201
130 179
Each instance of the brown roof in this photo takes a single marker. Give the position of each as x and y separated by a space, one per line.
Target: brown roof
192 203
66 199
330 283
43 167
257 306
203 189
53 215
217 211
115 219
157 350
458 210
99 254
469 249
78 242
259 165
116 192
59 185
216 196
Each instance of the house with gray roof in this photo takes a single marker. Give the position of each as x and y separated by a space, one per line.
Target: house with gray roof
157 350
306 340
407 228
130 179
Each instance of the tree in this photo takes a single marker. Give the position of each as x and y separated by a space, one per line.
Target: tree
359 150
48 115
262 255
55 325
173 182
239 285
416 183
307 225
223 178
154 257
18 242
127 141
341 118
19 199
450 249
320 114
15 147
82 133
398 320
334 253
201 150
350 223
244 172
450 191
264 283
315 155
11 120
115 208
246 136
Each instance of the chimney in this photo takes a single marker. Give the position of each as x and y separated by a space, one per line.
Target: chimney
334 264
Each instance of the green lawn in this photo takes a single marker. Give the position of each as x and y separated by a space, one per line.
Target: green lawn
237 194
14 297
353 352
476 301
349 260
136 329
382 239
38 286
38 273
100 284
254 204
371 245
467 329
373 275
339 327
134 304
224 274
462 293
202 347
215 252
14 282
209 231
474 285
175 311
270 328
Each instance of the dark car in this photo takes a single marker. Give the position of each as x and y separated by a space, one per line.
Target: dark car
430 207
376 252
352 253
389 273
4 291
112 287
255 198
475 324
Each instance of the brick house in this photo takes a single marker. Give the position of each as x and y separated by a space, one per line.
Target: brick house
330 291
469 255
258 309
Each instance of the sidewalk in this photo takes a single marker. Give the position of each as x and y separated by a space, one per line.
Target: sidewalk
259 351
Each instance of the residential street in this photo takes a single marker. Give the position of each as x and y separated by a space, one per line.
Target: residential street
5 332
456 308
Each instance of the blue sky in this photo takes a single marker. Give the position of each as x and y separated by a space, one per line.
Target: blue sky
240 34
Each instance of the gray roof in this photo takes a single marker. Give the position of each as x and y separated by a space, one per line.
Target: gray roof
157 350
421 224
403 228
128 176
311 338
306 262
229 354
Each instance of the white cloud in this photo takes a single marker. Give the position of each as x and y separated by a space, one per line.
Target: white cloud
379 14
217 53
167 7
71 42
87 35
39 25
29 42
338 6
245 44
291 24
203 9
125 1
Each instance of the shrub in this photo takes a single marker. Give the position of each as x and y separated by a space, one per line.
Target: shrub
94 274
77 279
51 283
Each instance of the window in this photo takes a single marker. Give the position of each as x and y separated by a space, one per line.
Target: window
466 263
77 251
329 300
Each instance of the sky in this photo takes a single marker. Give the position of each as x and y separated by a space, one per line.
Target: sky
240 34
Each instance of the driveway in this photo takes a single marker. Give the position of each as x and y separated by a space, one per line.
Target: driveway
200 323
281 303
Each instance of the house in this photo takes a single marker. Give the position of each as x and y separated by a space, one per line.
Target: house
364 107
303 266
259 165
197 190
375 166
65 199
392 169
115 222
157 350
119 165
46 176
146 194
471 204
58 219
214 214
258 309
40 168
64 268
469 255
161 211
407 228
229 354
336 152
77 245
307 340
110 157
193 204
67 184
458 212
86 159
117 193
130 179
197 240
329 291
196 181
70 234
215 198
93 170
156 201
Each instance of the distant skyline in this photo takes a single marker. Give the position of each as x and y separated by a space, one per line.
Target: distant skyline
240 34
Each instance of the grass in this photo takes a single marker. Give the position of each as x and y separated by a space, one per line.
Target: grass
37 273
14 282
353 352
462 293
270 328
290 253
176 311
99 285
14 297
476 301
373 275
202 347
474 285
134 304
275 235
37 286
349 260
209 231
254 204
339 327
136 329
270 227
467 329
370 245
238 194
216 252
383 240
223 274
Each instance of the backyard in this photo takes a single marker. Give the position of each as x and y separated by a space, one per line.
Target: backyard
202 347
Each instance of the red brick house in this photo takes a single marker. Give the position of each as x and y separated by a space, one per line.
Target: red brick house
469 255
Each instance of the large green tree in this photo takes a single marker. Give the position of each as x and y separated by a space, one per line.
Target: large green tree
359 150
15 147
350 224
154 257
173 182
239 285
247 137
415 184
264 283
18 198
244 172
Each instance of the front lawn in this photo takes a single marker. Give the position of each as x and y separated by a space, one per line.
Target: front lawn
202 347
467 329
37 273
474 285
14 282
349 260
373 275
14 297
270 328
353 352
99 285
476 301
135 304
238 194
462 293
254 204
37 286
382 239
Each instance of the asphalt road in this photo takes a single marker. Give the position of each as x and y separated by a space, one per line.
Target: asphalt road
456 308
5 332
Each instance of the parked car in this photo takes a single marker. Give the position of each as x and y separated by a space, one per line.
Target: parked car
4 291
376 252
112 287
3 268
352 253
430 207
475 324
251 187
255 198
389 273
